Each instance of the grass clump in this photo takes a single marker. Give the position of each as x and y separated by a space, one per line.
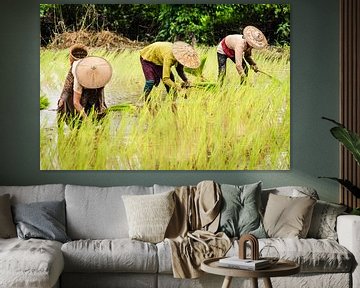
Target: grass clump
44 102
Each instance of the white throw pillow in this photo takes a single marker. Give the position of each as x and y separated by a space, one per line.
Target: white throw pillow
149 215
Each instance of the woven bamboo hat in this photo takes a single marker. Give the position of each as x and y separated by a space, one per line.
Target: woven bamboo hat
93 72
255 37
77 52
185 54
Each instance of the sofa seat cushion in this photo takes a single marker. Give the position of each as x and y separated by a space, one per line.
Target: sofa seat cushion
30 263
313 255
110 255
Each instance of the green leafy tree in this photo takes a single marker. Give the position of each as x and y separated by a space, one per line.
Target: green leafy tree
205 23
186 22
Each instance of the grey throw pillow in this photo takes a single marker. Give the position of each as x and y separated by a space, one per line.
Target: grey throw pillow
7 226
323 222
240 213
44 220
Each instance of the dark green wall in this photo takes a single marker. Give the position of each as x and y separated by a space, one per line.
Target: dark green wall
314 93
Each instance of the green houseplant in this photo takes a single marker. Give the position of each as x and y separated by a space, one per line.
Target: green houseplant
351 142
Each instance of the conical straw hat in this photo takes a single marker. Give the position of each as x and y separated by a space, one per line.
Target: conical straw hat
93 72
186 54
255 37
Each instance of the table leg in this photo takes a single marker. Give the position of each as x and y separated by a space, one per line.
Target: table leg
254 282
227 282
267 283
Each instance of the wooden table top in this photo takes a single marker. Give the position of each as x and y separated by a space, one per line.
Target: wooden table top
281 268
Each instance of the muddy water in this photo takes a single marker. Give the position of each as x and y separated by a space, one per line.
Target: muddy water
48 116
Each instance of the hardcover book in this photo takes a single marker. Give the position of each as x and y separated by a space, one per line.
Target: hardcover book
236 262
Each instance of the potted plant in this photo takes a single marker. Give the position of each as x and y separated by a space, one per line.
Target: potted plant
351 141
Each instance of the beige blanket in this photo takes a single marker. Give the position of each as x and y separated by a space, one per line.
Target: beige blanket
191 231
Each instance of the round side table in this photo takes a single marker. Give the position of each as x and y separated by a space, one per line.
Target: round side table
281 268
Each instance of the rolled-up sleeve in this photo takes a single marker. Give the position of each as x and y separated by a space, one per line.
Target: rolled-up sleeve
168 62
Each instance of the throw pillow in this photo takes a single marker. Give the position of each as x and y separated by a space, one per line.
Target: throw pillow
288 217
149 215
323 222
7 226
240 213
44 220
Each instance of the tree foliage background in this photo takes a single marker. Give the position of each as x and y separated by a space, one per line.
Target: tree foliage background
205 23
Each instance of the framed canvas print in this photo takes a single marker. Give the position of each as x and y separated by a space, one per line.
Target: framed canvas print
165 87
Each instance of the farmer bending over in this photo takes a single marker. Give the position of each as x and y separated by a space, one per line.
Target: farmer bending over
236 47
158 58
84 85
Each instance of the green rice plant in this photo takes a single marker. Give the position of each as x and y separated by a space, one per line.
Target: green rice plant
44 102
230 127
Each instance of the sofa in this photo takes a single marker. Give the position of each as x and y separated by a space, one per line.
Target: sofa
98 251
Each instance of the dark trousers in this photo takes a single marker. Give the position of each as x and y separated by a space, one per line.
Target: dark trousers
222 66
153 75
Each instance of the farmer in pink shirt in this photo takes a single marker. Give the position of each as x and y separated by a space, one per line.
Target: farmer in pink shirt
238 48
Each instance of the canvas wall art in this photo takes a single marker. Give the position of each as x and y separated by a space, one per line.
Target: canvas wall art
165 87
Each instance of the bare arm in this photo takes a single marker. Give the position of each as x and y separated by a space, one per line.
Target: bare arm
77 105
250 60
239 50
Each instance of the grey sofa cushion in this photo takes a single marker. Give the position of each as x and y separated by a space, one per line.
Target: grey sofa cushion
30 263
164 257
163 188
98 213
7 226
313 255
44 220
116 255
34 193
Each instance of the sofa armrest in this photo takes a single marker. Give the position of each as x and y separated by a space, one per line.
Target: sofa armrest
348 230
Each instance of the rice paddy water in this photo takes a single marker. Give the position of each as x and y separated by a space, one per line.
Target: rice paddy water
236 126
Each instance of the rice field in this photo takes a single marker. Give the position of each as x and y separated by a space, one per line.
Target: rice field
236 126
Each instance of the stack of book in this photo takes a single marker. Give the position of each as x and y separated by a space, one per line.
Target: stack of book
236 262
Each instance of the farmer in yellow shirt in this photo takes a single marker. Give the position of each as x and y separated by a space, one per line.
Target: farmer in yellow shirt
238 48
158 58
